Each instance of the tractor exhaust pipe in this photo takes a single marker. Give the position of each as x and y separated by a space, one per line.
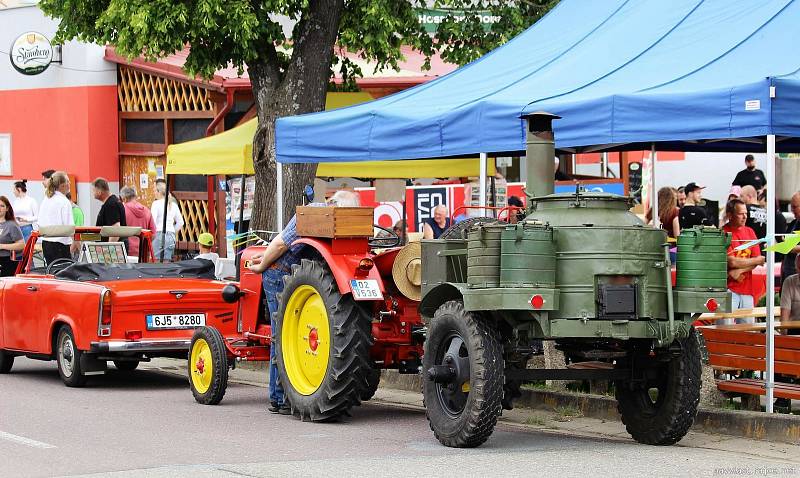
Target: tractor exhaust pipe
539 153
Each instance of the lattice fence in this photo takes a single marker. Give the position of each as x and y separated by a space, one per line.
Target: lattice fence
139 91
194 208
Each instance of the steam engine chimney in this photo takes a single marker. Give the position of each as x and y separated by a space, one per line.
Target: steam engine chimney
539 152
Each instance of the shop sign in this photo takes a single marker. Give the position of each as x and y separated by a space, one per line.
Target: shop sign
31 53
430 18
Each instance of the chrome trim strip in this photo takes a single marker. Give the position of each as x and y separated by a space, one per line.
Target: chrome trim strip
140 346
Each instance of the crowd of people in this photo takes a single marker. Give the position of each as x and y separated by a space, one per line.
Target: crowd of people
20 217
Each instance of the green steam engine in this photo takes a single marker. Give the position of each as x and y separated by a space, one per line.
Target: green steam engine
582 271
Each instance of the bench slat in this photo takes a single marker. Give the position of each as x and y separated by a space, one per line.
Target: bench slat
752 351
745 363
749 338
747 387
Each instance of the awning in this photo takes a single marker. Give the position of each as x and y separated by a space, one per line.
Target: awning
231 152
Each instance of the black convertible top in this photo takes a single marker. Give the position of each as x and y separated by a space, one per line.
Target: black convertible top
194 268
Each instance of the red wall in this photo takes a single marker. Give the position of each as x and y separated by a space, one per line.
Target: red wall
72 129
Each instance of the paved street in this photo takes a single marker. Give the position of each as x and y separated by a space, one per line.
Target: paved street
147 424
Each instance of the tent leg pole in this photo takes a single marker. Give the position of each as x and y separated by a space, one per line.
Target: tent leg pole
482 184
279 190
770 378
242 186
654 193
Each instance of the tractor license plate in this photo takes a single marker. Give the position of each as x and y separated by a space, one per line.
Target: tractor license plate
366 289
175 321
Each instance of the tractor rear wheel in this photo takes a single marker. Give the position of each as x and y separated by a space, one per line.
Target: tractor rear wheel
322 346
208 366
463 388
6 361
373 380
661 410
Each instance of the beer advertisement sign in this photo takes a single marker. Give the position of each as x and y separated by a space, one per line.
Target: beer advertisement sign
31 53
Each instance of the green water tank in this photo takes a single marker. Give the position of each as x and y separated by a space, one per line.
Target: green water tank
702 258
528 256
483 255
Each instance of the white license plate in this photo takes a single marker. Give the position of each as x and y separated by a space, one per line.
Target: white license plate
175 321
366 289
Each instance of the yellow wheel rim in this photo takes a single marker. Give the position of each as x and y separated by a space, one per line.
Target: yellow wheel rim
201 366
305 340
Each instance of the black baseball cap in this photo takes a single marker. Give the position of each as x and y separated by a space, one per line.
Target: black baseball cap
692 187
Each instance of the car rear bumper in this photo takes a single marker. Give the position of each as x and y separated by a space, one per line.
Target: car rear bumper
139 346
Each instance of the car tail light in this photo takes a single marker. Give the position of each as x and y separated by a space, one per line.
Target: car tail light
104 314
537 301
133 335
364 265
712 305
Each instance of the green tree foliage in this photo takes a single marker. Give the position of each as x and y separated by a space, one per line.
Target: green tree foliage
289 74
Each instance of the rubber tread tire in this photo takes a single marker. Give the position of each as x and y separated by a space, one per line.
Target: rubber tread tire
77 379
6 361
219 356
351 338
459 229
126 365
373 381
669 423
476 423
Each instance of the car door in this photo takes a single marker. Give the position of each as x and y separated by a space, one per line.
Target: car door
21 319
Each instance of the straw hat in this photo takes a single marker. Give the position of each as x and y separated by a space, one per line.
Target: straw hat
407 271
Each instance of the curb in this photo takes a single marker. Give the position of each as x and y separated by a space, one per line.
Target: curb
739 423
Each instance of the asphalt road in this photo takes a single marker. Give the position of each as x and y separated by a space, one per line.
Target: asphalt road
147 424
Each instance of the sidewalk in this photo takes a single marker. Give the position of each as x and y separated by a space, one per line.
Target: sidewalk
559 420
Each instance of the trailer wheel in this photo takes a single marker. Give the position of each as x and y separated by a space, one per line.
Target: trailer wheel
323 344
69 359
373 380
463 388
661 411
6 361
126 365
208 366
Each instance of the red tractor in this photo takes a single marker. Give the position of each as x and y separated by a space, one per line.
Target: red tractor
346 312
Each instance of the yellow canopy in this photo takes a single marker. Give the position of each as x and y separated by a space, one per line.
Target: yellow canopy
231 153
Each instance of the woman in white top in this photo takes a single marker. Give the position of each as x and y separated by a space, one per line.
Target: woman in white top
174 223
26 209
56 210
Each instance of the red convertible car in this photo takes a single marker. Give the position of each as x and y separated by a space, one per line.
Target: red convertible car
107 307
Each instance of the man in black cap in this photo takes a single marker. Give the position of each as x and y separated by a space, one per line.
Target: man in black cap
750 176
691 213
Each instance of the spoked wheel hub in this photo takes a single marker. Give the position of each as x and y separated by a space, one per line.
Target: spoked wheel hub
451 375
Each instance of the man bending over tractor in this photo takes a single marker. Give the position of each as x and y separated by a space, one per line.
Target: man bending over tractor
273 264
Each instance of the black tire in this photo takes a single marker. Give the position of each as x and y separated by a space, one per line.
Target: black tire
207 344
349 327
126 365
6 361
458 418
665 419
459 230
373 380
68 358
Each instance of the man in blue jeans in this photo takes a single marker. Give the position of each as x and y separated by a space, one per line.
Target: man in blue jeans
273 264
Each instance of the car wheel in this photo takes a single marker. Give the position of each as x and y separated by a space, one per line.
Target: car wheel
6 361
208 366
463 388
69 359
126 365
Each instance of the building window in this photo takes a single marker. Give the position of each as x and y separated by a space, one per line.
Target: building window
144 131
188 129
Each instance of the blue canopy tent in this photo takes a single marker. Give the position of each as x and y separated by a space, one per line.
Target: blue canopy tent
623 74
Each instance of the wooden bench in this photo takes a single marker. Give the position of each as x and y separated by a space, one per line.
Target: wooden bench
743 347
